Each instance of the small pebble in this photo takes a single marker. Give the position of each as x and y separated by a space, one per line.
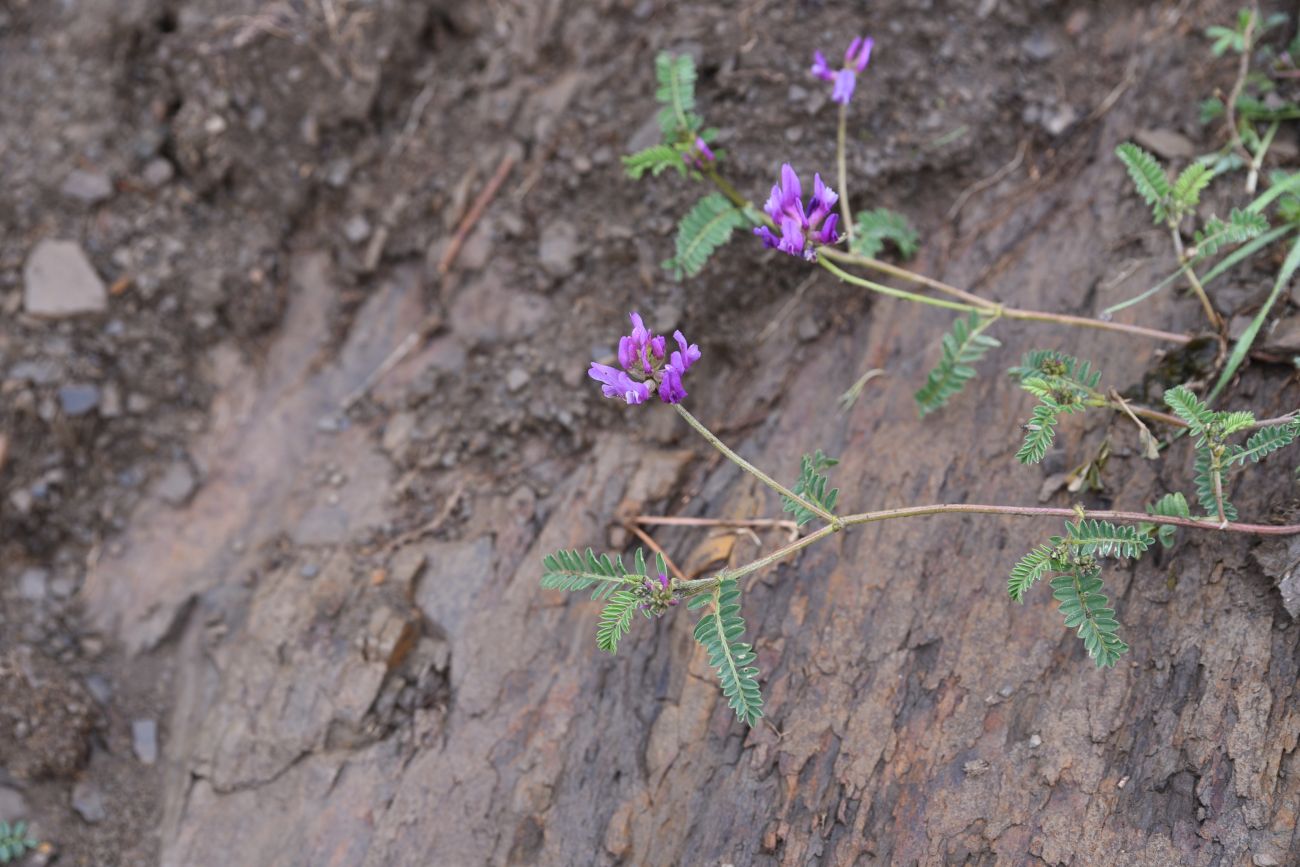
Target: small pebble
517 378
308 570
78 398
144 740
356 229
88 801
32 584
158 173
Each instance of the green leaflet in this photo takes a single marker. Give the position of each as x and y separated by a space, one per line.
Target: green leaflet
963 346
1169 506
654 160
719 631
1086 609
880 225
705 228
812 485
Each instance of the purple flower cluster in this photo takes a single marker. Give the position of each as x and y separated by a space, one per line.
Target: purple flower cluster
646 366
658 595
855 60
801 230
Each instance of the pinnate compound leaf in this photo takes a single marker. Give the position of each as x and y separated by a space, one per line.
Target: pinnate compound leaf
1040 432
1148 177
1205 473
719 631
1104 539
1085 608
616 619
705 228
1187 406
1032 567
1241 226
812 485
676 95
1265 441
654 160
1190 184
963 346
876 227
574 570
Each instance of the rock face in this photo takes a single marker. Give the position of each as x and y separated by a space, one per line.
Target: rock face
58 280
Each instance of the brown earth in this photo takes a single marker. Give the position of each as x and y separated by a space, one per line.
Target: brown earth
321 584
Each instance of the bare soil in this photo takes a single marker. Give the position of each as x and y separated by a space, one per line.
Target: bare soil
320 584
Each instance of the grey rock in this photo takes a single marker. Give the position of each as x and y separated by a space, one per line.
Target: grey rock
88 801
1166 144
308 570
144 740
1279 559
158 173
78 398
1285 338
13 807
110 401
58 280
88 187
177 484
40 371
517 378
1039 47
356 229
33 584
559 250
99 688
1057 120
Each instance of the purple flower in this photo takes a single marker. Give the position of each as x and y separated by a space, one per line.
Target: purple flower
856 59
700 155
801 230
618 384
642 355
686 355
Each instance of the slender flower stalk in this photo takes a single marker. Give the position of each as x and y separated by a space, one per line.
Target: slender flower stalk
750 468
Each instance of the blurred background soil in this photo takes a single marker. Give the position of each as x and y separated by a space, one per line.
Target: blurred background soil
268 598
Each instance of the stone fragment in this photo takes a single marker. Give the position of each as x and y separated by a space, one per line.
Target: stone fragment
58 280
559 250
32 584
177 484
88 187
88 801
78 398
1166 144
144 740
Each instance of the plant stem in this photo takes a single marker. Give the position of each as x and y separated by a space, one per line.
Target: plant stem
1008 312
1243 69
1252 177
825 262
779 554
841 163
1052 512
904 274
1187 262
753 470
